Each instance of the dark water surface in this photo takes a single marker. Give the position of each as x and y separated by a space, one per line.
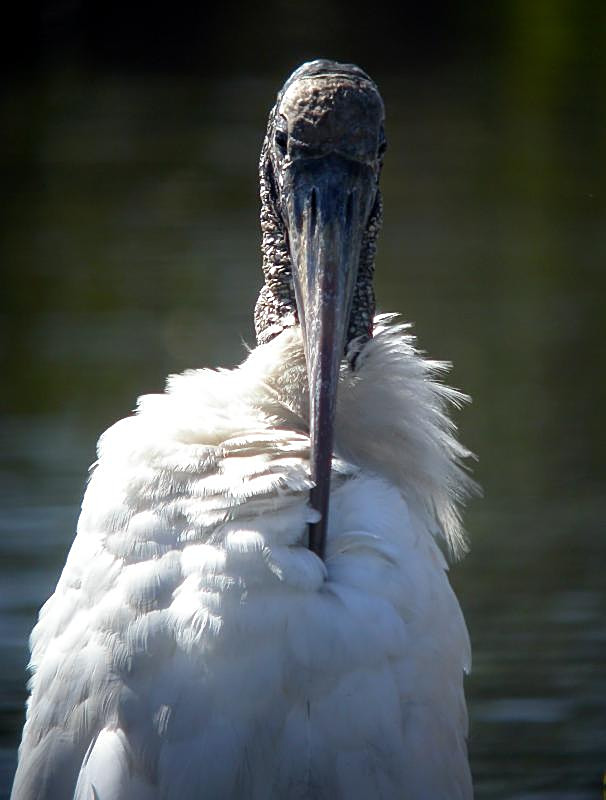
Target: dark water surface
130 233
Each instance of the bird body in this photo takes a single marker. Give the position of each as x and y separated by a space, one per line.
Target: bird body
209 652
256 605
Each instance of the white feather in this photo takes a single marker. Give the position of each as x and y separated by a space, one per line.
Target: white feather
194 646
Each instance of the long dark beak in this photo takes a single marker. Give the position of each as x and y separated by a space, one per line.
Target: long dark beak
329 202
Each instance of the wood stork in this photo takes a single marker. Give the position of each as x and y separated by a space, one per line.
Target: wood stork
219 631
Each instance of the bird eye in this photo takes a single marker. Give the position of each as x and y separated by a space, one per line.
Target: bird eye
281 140
382 146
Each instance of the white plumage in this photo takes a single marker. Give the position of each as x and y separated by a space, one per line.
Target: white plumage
194 646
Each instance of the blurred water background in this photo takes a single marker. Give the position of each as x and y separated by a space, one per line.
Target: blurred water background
129 250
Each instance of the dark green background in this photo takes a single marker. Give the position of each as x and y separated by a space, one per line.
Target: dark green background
129 249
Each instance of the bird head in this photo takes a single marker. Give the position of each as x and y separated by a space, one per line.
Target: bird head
321 212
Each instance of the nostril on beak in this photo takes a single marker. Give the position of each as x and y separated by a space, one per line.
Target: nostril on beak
313 211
